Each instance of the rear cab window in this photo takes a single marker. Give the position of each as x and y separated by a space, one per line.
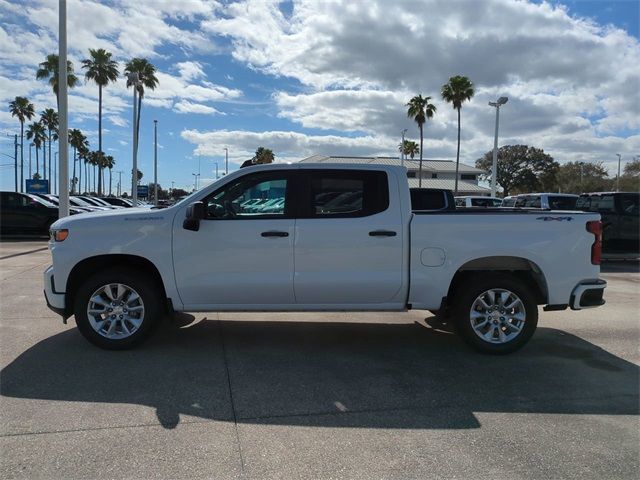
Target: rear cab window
344 193
557 202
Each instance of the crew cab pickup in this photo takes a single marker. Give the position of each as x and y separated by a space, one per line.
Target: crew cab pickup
317 237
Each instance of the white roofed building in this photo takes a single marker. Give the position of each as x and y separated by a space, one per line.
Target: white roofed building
435 173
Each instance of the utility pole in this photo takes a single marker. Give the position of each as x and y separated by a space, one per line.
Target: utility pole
226 161
15 158
155 162
63 114
618 177
119 182
402 148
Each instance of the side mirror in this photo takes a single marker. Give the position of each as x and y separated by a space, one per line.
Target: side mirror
195 213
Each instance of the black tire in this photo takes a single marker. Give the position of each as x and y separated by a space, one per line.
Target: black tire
464 301
144 287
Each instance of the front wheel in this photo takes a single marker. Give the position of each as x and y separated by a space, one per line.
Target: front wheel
496 314
117 309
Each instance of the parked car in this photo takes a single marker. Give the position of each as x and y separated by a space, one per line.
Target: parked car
620 214
118 202
547 201
509 202
97 202
485 202
26 214
120 272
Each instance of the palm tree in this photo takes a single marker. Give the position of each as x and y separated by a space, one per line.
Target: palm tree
49 119
22 108
410 148
49 71
458 90
146 79
78 141
264 155
102 70
419 110
109 163
36 133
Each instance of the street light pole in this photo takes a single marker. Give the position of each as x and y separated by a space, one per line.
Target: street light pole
494 165
119 182
30 145
216 163
402 148
195 184
226 161
63 114
55 162
155 162
15 159
618 177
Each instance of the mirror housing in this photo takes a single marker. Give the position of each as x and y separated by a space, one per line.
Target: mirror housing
195 213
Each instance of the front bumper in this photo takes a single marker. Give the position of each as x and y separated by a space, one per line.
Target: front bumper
55 300
588 294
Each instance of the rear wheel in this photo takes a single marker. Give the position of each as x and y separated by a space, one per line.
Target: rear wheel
117 309
496 313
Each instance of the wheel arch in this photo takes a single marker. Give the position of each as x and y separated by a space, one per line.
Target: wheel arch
90 265
524 269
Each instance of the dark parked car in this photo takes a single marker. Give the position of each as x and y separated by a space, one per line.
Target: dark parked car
24 214
620 218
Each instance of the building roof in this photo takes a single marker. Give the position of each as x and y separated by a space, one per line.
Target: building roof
464 187
429 165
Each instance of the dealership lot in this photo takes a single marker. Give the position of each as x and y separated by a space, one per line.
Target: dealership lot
316 395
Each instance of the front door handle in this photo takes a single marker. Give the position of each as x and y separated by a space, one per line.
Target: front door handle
382 233
275 234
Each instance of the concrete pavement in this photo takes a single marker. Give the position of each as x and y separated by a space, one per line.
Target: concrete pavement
316 395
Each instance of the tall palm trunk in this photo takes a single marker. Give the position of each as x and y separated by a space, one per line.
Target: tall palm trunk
138 120
73 175
110 182
44 160
420 167
99 138
457 155
50 158
37 162
22 156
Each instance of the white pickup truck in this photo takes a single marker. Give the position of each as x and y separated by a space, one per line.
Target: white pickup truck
305 237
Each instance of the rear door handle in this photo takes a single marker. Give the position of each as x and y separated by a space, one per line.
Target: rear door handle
275 234
382 233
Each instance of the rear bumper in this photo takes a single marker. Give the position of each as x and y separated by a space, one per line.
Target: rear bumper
55 300
588 294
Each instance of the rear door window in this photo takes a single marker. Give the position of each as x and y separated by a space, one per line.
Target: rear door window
630 203
345 193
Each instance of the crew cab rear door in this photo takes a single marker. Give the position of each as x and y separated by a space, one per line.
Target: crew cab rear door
349 238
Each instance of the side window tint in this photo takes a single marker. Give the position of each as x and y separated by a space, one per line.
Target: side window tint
606 204
251 197
348 194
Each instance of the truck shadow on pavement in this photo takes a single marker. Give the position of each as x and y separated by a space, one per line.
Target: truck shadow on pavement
327 374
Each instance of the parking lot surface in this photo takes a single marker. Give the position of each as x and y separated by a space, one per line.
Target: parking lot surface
316 395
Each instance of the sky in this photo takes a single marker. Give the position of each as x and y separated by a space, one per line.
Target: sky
333 77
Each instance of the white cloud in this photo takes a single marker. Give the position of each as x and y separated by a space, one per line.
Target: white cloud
190 70
118 121
189 107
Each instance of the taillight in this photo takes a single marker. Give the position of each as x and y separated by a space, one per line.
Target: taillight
595 227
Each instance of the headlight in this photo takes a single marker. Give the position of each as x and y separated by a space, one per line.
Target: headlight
59 235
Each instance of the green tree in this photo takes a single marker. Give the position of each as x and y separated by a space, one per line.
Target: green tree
521 169
630 178
147 79
49 71
178 192
264 155
79 142
420 110
579 177
102 70
22 108
49 118
458 90
36 133
410 148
